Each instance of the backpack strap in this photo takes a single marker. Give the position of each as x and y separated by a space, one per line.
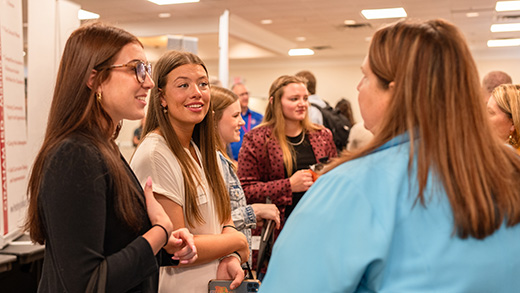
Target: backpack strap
316 106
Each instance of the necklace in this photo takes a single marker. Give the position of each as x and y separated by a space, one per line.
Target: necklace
297 143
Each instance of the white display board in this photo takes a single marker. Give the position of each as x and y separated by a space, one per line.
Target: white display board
14 167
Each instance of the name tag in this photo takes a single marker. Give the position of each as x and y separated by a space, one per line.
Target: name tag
202 198
255 242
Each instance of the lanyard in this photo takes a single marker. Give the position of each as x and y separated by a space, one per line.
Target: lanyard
248 123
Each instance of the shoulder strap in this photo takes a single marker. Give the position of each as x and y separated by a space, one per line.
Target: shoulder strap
316 105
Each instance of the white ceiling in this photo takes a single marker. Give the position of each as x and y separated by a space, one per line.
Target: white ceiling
319 21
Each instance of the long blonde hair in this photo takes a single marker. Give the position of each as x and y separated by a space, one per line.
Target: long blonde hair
203 135
507 97
437 98
274 118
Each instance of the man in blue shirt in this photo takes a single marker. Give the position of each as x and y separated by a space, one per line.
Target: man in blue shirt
251 117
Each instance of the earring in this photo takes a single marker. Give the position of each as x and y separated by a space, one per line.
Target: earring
513 141
98 96
165 109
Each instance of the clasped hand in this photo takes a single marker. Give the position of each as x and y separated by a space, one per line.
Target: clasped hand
182 245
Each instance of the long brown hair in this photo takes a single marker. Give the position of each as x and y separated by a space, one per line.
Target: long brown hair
221 98
437 98
75 110
274 117
203 135
507 97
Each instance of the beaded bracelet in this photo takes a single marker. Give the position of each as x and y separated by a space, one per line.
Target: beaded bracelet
165 232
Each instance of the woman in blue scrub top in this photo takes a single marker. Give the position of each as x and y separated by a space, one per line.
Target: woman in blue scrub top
431 204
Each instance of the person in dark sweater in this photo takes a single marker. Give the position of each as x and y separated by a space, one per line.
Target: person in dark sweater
101 231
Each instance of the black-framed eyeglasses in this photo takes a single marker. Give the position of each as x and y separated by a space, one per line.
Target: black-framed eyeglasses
139 67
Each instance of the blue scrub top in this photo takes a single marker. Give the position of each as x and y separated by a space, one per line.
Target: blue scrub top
357 230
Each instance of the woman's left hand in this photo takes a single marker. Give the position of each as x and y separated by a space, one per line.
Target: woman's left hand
230 269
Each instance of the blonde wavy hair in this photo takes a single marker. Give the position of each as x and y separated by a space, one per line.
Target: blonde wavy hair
274 117
507 97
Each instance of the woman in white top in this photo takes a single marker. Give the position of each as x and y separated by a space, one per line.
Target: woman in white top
179 152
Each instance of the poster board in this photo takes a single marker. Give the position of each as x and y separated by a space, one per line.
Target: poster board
14 167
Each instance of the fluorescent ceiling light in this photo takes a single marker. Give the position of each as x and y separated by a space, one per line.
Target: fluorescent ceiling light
384 13
503 43
266 21
507 5
168 2
83 15
505 27
301 52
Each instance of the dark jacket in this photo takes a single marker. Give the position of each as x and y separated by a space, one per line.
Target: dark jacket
76 204
260 165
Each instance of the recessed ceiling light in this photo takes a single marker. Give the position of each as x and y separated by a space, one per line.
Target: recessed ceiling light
168 2
83 15
384 13
507 5
301 39
266 21
349 22
503 43
472 14
165 15
301 52
505 27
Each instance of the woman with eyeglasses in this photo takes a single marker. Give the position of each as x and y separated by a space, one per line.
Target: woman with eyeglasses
179 150
102 232
504 113
276 155
431 203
